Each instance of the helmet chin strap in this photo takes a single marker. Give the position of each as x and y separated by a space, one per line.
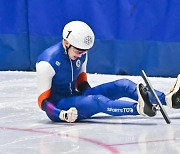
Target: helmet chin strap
67 49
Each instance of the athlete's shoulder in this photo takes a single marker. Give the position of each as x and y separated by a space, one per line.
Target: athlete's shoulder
51 53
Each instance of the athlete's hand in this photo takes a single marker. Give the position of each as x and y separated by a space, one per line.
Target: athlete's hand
69 115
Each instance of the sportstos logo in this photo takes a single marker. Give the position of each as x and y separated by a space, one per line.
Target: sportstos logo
123 110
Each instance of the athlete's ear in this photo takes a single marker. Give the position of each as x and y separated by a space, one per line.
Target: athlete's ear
66 43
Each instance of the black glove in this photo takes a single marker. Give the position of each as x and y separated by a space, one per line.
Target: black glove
83 86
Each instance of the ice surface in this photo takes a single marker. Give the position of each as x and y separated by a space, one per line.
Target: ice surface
25 129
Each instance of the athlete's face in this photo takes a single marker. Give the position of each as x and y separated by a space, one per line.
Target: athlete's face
74 52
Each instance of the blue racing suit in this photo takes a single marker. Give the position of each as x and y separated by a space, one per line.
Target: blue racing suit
62 84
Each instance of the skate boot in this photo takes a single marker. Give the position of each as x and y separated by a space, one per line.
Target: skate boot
173 98
144 106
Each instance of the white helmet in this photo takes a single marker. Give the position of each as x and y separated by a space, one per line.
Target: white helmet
78 34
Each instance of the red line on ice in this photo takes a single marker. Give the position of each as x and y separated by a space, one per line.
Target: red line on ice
105 146
153 141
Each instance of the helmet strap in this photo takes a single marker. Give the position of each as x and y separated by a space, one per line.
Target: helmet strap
67 48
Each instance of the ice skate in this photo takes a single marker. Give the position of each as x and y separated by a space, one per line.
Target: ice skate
144 106
173 98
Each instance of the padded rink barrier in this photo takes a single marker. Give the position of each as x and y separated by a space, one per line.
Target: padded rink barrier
130 35
14 36
130 57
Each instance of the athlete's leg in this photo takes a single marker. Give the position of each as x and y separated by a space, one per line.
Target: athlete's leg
121 88
92 104
160 95
115 90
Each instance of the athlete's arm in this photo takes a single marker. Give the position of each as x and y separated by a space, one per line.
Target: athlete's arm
45 73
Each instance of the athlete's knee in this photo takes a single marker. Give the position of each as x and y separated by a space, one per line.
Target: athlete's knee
98 98
123 82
